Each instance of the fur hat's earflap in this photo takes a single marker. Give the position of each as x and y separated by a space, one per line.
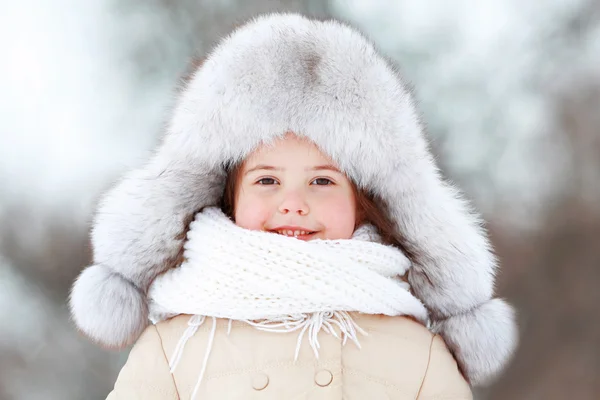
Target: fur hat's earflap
453 269
138 233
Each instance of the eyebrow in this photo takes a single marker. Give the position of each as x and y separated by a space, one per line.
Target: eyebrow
325 167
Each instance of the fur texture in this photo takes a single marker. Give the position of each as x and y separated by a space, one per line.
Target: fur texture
325 81
481 339
101 295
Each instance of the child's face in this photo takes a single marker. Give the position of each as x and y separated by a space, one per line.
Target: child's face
291 188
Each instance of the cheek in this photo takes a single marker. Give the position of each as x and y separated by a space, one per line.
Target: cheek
251 212
339 217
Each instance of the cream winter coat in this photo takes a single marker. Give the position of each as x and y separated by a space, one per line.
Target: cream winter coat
399 359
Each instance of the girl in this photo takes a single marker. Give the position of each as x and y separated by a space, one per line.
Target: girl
310 143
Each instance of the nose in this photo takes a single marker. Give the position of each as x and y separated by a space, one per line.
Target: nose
293 203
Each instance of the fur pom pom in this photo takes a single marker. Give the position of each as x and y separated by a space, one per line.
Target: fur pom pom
482 339
108 308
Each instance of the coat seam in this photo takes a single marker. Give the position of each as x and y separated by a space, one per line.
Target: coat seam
342 359
426 368
162 348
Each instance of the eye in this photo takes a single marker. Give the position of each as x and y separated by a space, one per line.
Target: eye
322 182
266 181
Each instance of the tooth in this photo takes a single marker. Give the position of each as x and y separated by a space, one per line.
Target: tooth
290 233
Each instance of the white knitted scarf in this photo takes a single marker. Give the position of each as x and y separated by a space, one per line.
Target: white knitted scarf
281 284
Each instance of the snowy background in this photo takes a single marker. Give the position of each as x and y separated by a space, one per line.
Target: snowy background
510 92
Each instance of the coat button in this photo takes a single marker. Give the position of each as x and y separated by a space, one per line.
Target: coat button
323 378
259 381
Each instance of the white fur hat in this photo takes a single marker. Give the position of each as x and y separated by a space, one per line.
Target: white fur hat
325 81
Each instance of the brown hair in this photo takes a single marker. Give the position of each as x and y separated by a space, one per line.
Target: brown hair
370 209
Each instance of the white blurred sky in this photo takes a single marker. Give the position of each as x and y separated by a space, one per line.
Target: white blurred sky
71 114
75 113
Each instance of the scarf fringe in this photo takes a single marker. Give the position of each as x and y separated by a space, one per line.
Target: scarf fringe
310 324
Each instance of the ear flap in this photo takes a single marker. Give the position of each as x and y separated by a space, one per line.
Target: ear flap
453 267
138 233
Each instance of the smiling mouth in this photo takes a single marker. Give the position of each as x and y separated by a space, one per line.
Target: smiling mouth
300 234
